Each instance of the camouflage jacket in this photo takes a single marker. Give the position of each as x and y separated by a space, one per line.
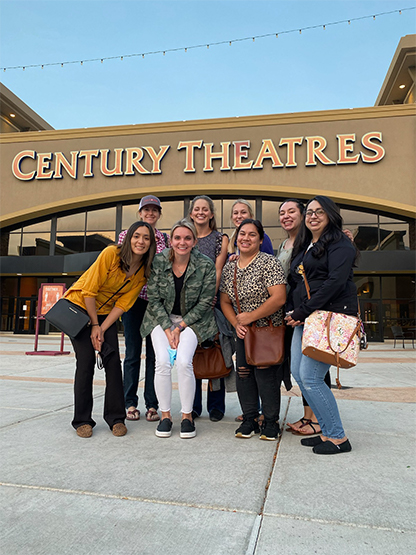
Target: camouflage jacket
196 297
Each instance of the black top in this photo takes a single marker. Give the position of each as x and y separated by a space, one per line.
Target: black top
178 289
330 280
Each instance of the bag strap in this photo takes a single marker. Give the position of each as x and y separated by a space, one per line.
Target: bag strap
235 288
120 288
301 270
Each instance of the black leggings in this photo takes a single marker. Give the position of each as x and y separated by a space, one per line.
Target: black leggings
114 410
253 383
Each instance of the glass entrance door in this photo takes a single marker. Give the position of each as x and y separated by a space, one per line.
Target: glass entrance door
25 315
371 316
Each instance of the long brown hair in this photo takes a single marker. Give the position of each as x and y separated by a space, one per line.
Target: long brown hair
125 252
208 200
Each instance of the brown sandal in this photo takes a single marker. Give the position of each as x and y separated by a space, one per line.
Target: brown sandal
133 414
152 415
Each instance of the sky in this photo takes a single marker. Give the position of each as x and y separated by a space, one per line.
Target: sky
341 66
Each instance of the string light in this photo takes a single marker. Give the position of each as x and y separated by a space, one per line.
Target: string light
311 27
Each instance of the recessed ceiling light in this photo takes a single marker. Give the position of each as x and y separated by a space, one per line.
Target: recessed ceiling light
402 86
12 115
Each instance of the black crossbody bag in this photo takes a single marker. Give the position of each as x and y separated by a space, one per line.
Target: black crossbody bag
71 318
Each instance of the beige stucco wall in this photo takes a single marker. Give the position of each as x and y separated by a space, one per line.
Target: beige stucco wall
388 184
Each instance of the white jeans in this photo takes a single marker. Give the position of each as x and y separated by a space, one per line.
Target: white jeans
163 371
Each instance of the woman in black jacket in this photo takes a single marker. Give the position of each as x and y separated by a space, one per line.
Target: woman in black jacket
328 257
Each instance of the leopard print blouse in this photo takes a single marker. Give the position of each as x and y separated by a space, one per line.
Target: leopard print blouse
252 282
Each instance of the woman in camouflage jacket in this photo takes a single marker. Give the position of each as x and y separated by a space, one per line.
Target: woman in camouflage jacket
179 315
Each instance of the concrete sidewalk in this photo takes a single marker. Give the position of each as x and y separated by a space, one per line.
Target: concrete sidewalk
212 495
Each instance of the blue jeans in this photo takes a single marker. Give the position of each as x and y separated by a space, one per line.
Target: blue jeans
310 375
132 321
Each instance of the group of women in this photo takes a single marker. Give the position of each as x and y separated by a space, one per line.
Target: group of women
165 289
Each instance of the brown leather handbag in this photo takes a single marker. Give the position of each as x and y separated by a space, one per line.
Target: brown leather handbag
264 346
208 361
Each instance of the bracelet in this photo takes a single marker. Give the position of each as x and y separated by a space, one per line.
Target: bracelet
94 325
180 328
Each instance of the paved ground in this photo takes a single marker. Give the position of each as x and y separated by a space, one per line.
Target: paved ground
212 495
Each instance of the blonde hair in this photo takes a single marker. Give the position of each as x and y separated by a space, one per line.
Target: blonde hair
182 223
231 244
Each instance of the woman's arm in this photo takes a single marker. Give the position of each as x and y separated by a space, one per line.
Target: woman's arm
276 300
340 262
228 311
97 331
206 293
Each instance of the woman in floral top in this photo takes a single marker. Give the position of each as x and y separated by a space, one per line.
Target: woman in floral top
150 211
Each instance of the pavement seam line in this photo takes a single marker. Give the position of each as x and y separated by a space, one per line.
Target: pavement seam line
255 532
341 523
127 498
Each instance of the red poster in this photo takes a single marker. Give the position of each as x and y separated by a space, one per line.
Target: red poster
50 294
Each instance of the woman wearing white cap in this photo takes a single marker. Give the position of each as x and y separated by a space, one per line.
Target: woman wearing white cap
149 211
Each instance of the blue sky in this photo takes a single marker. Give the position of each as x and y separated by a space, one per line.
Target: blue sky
342 66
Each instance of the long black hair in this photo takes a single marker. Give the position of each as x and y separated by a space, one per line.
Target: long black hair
125 249
331 234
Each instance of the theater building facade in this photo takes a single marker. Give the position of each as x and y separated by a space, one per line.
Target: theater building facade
66 194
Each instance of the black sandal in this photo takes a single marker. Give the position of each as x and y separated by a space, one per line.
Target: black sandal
312 425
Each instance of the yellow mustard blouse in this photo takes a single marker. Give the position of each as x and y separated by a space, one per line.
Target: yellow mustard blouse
103 279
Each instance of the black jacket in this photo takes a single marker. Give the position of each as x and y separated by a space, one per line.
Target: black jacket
330 280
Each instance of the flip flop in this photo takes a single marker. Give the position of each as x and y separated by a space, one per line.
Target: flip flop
303 420
152 415
133 414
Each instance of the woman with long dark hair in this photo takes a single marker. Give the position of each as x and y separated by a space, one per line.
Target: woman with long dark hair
291 214
106 291
328 257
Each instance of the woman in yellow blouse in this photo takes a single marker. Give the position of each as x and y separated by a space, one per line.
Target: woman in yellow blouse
107 290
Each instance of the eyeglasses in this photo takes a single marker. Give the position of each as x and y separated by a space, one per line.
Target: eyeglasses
319 212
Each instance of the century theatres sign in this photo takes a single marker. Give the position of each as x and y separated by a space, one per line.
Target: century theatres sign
232 155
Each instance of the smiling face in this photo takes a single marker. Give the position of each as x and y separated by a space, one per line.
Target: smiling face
150 214
290 217
316 222
140 241
182 241
239 213
248 240
201 213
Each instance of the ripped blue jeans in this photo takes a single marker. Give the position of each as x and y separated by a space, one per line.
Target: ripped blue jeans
310 375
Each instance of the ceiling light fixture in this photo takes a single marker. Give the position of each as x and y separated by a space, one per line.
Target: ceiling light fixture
402 86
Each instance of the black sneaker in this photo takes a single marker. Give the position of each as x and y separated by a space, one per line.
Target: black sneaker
248 428
187 429
216 415
164 428
270 431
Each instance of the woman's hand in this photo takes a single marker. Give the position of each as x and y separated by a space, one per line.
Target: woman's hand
97 337
240 331
175 337
291 322
244 318
233 257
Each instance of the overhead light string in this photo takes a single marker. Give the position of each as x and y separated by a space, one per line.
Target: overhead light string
207 46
